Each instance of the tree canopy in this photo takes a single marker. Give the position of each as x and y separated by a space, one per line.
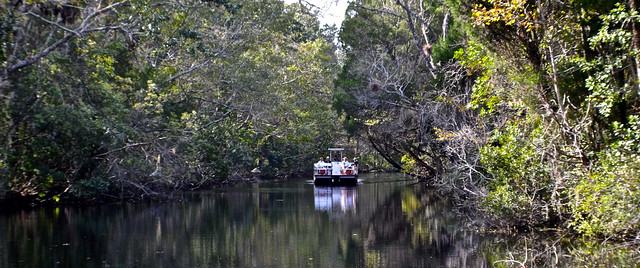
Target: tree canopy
142 95
527 110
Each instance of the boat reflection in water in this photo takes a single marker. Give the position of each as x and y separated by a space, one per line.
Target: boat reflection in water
335 199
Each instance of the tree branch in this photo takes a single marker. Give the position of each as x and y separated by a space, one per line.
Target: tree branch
381 11
416 39
54 23
70 33
32 60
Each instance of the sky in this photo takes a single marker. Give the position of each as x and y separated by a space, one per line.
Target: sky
331 11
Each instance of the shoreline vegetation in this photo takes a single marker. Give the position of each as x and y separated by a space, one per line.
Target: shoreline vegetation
155 191
527 112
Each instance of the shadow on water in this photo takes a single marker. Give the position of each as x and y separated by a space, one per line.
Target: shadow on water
386 221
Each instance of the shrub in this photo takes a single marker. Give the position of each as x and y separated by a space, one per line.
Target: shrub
520 188
91 188
607 198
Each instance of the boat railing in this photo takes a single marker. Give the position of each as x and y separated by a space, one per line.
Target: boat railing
327 169
322 169
351 170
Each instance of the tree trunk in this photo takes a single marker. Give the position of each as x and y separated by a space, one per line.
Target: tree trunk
426 49
445 26
384 155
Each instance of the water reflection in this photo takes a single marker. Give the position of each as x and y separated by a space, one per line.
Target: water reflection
335 199
385 222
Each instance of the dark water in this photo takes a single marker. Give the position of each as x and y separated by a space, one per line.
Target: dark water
386 221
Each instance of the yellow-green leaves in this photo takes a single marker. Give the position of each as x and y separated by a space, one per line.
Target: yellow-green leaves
507 11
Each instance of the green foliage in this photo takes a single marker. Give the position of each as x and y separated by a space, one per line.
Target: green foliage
408 164
344 102
398 82
486 96
627 135
520 189
158 97
475 57
613 39
562 79
553 107
91 188
607 199
7 20
58 148
606 202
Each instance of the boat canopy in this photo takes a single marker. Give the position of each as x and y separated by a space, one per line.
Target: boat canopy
333 154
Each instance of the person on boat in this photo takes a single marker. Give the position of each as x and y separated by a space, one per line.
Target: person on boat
344 164
326 160
354 164
320 163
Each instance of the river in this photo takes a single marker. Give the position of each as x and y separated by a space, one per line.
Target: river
386 221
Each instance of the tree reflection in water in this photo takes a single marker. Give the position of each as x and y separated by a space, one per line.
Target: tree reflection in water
385 222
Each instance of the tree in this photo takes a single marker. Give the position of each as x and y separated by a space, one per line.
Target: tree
136 98
398 84
577 87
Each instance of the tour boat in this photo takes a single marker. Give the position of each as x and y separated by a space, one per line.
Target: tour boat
335 171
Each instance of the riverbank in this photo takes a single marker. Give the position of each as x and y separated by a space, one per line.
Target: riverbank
96 193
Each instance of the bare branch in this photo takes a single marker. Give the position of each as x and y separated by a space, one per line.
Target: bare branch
35 58
222 117
381 11
54 23
185 72
88 21
123 148
425 54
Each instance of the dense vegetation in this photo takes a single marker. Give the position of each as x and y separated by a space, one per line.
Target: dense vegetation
131 98
527 109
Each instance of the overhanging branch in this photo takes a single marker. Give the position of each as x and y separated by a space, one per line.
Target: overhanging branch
79 31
